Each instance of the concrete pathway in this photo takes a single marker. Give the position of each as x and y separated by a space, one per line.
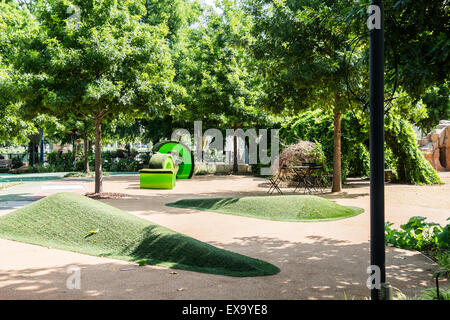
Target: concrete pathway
32 187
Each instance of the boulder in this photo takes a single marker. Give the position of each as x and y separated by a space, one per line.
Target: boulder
436 146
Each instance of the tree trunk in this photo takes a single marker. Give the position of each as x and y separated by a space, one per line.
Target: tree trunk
235 152
86 152
30 154
98 155
74 152
42 155
337 170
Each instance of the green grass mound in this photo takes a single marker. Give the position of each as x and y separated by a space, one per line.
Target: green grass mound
73 222
282 208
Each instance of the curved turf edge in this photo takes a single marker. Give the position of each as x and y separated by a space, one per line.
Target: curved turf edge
291 208
76 223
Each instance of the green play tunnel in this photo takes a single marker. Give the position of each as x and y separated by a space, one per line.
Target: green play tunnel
186 166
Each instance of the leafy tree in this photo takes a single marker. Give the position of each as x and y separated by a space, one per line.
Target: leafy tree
216 71
178 14
416 41
100 63
315 54
70 129
437 102
13 127
301 48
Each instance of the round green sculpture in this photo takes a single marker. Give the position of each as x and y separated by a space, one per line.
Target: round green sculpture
185 156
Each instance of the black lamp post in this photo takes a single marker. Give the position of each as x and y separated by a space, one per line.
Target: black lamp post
377 247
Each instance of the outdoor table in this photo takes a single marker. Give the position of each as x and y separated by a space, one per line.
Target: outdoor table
305 177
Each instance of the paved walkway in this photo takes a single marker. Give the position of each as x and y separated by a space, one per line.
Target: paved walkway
34 186
321 260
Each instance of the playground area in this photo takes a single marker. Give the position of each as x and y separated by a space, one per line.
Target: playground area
318 260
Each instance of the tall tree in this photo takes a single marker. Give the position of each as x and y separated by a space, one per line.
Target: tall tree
437 101
14 23
417 43
216 71
94 58
178 14
315 54
301 48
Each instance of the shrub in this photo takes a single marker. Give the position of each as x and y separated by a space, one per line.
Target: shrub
357 162
431 294
143 158
402 153
428 237
317 126
39 168
62 161
409 162
16 162
125 165
118 161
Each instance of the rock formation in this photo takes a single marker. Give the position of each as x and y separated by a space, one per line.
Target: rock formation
436 146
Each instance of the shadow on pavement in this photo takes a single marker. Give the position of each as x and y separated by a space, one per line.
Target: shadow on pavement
323 269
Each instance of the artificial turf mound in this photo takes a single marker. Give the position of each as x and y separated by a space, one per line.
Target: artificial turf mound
73 222
300 208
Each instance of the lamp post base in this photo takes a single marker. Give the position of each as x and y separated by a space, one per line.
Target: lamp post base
386 292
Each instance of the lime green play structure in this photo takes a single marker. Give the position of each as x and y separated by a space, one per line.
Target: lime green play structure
161 173
186 165
163 169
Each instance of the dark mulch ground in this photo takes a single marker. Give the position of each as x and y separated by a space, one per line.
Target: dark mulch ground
107 195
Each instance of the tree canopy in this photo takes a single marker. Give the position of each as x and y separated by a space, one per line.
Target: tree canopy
102 63
134 70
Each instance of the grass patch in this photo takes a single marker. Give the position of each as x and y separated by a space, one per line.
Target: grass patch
73 222
281 208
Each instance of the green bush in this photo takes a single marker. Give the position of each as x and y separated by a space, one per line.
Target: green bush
357 163
431 294
125 165
62 161
401 150
409 162
16 162
443 259
144 158
40 168
427 237
317 126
